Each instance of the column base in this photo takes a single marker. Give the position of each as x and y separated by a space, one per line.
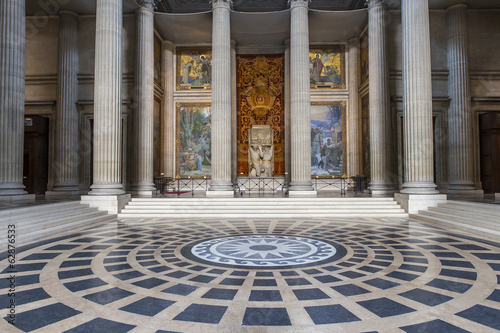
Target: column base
142 190
113 204
419 188
19 198
107 189
301 186
497 196
221 186
299 194
12 189
382 189
62 194
220 194
412 203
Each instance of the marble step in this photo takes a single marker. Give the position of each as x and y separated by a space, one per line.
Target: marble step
459 218
34 209
221 215
480 216
475 207
41 216
267 199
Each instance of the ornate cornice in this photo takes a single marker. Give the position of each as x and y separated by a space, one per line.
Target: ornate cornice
299 3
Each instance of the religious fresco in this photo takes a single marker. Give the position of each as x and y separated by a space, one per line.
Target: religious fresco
328 140
327 67
365 114
260 82
364 57
157 60
194 68
193 137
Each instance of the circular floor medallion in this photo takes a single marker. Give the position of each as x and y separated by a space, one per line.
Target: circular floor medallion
263 251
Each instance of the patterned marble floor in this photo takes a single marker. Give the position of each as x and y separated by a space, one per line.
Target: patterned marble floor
336 275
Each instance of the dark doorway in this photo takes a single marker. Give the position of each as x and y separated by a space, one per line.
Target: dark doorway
489 125
36 154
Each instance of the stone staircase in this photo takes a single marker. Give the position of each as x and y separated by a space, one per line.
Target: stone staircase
33 223
479 218
265 207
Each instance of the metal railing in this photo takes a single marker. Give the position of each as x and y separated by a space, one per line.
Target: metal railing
180 185
262 185
342 184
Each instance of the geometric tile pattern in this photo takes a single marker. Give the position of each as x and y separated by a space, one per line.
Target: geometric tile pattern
133 275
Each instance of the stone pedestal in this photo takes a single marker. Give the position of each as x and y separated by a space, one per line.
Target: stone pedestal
381 151
412 203
221 98
66 137
12 66
113 204
497 196
143 113
300 99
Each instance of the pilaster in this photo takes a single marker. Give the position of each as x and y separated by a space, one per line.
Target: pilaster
221 100
354 148
381 182
12 67
66 148
300 100
143 113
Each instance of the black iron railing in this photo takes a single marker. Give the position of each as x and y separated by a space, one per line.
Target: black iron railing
180 185
342 184
274 185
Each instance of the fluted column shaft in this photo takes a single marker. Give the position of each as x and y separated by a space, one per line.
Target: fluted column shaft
354 149
300 99
66 135
12 51
221 97
417 99
379 115
143 113
107 99
461 174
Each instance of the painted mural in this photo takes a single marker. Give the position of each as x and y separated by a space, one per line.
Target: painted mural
260 102
194 139
327 67
194 68
157 60
328 141
364 57
365 114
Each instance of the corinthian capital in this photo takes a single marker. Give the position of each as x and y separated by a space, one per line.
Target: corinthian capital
222 4
149 4
299 3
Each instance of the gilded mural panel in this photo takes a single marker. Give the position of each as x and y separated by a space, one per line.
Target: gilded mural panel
364 58
194 68
328 139
327 67
193 136
157 60
260 102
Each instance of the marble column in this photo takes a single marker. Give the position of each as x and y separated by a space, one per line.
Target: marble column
66 135
381 181
419 191
221 100
461 166
354 148
168 117
143 113
108 99
300 100
12 51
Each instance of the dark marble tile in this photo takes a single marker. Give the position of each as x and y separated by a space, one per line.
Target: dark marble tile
84 254
496 267
240 273
384 307
150 283
312 271
264 283
457 263
224 294
488 256
446 254
331 268
34 319
217 271
381 263
350 290
381 283
208 314
310 294
470 247
76 263
197 268
265 296
457 287
128 275
414 268
148 306
433 326
86 240
411 253
22 280
202 278
327 278
24 297
75 273
330 314
114 260
160 269
352 275
100 325
483 315
27 267
180 289
232 282
41 256
266 317
84 284
264 274
402 276
369 269
495 295
297 282
289 273
108 296
459 274
178 274
426 297
120 267
416 260
62 247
